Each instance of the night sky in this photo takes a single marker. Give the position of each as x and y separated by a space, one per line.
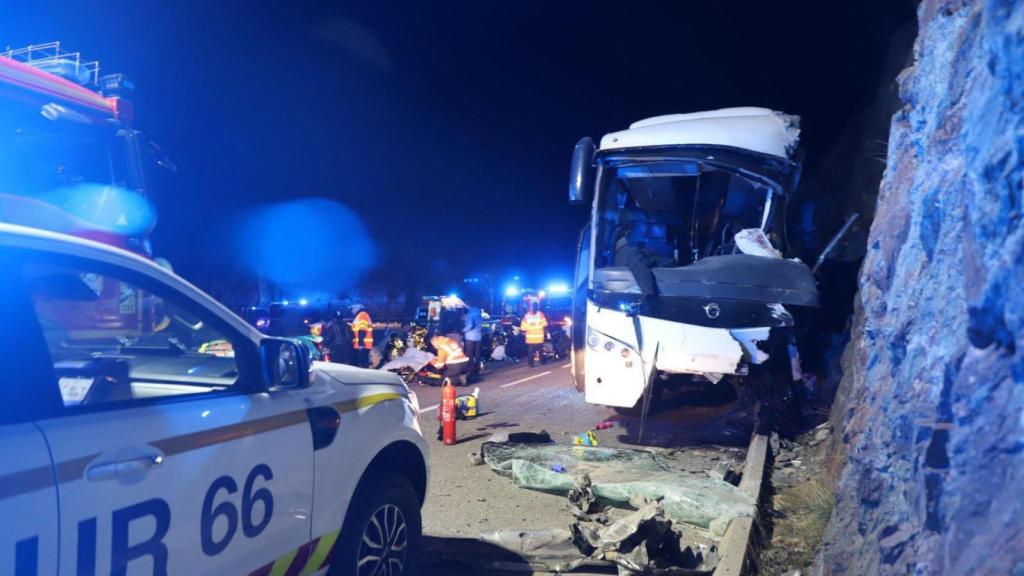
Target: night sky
445 126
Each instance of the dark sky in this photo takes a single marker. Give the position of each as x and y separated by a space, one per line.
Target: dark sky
447 126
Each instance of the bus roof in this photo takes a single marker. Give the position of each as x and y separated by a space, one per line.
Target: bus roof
758 129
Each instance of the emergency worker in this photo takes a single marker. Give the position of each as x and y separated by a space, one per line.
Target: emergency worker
362 335
337 340
450 361
533 325
472 333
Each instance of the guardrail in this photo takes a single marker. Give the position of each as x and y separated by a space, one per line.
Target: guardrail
736 554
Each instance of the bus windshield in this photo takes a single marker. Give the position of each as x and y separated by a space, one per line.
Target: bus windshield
678 211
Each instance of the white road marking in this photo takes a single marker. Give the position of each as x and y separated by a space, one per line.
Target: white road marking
429 409
567 365
527 379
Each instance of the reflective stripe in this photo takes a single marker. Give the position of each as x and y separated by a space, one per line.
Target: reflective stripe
365 401
362 325
533 324
453 352
321 554
23 482
301 559
282 564
300 562
204 438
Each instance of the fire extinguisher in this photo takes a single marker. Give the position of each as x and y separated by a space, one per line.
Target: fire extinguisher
447 413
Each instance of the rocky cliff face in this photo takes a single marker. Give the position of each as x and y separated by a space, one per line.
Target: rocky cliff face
932 403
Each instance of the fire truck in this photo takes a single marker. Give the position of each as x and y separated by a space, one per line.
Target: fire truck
73 163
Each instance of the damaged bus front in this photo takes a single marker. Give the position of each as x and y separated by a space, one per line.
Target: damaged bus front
680 276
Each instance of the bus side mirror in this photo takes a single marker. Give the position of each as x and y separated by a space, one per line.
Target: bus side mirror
581 174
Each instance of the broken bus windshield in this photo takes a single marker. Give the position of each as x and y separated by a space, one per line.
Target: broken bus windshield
677 211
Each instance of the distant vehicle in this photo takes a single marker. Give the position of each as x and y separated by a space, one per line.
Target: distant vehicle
556 304
699 197
433 308
186 442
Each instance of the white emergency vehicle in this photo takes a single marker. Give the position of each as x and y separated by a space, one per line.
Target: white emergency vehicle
158 433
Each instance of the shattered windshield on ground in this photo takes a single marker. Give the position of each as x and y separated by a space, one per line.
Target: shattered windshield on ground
619 475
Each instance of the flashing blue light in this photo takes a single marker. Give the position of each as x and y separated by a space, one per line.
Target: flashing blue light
108 208
625 306
453 295
265 244
285 302
303 302
512 291
558 288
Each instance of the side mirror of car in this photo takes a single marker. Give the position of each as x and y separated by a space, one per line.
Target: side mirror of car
581 173
286 363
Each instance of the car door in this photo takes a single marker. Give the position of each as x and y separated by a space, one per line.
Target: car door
171 455
28 545
28 491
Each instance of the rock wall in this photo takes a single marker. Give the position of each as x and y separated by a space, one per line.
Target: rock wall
932 402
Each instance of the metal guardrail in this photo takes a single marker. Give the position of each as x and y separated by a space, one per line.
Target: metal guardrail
736 550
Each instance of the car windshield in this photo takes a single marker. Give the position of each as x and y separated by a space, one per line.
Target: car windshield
676 210
111 335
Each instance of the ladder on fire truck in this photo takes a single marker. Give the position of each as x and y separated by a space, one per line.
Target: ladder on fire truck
50 57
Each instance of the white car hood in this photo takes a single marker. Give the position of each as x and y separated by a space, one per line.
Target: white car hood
350 375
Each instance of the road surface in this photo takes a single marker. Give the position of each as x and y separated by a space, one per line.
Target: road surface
464 500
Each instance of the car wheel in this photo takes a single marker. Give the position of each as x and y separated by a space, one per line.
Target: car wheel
382 529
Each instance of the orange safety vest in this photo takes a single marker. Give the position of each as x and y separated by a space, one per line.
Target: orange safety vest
534 324
448 352
362 325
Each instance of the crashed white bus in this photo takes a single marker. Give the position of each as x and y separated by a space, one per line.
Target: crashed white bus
681 275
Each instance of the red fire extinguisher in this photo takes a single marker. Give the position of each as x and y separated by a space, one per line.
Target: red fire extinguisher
447 413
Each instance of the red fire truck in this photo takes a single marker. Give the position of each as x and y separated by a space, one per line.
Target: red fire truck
72 160
73 163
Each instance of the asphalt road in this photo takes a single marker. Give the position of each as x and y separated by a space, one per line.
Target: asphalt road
698 430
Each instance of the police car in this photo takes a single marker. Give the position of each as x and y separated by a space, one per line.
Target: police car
148 430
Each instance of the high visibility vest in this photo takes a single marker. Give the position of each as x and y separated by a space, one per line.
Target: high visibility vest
362 326
448 352
533 325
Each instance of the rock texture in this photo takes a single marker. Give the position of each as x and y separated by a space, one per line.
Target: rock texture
931 407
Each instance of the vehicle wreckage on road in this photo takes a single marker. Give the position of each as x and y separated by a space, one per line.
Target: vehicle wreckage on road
680 276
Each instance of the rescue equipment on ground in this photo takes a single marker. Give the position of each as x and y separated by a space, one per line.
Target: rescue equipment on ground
587 438
416 337
447 414
468 405
394 348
